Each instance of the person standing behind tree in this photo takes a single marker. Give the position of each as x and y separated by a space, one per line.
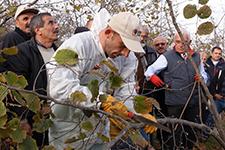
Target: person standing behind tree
215 67
144 59
180 76
31 58
23 15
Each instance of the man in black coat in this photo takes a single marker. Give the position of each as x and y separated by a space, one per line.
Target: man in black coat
23 15
30 62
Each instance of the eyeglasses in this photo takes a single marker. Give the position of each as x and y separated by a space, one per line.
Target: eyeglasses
163 44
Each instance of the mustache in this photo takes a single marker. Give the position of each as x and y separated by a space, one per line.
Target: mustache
27 26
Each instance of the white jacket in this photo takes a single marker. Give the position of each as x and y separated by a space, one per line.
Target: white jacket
64 81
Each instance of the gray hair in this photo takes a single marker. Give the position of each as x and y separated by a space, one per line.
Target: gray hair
37 22
185 33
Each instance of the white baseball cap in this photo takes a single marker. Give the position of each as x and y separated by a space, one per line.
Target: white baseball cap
126 25
25 9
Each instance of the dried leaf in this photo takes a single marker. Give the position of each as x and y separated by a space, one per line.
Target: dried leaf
204 12
202 2
66 57
10 51
205 28
189 11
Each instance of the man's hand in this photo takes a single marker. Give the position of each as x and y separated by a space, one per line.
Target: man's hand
197 77
218 96
156 81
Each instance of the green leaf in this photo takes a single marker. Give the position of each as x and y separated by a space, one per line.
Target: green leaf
3 120
102 97
2 78
115 81
2 59
87 125
78 97
94 88
66 57
18 97
2 109
18 135
33 101
77 7
205 28
103 137
28 144
204 12
49 147
141 104
10 51
81 136
11 77
4 133
202 2
189 11
3 93
14 123
110 65
41 125
15 80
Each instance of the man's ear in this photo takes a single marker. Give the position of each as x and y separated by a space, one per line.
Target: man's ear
37 30
108 32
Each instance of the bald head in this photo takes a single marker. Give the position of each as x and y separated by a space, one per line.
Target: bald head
160 44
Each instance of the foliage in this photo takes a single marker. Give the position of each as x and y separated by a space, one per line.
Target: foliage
202 2
115 81
94 88
66 57
78 97
205 28
204 12
189 11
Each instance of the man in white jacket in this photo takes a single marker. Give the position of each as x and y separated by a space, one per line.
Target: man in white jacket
118 38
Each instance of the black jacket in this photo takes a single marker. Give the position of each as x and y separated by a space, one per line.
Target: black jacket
28 62
216 76
14 38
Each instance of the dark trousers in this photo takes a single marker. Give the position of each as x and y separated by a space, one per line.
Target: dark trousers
182 136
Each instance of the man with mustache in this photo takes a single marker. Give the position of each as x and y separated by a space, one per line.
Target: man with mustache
23 15
30 62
